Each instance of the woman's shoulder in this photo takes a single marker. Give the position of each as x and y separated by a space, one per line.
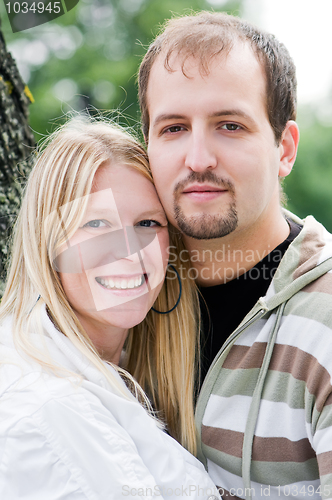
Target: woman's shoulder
26 387
64 431
32 389
53 371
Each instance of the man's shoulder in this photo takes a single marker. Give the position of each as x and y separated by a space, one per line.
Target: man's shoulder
308 259
312 229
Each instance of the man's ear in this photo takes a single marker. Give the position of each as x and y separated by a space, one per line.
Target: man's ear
288 148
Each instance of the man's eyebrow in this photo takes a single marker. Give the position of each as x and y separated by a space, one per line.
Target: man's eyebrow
216 114
232 112
165 116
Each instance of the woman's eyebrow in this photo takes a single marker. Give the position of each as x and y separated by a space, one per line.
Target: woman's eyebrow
101 211
153 213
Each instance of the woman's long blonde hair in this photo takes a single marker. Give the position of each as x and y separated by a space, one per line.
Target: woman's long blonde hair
162 351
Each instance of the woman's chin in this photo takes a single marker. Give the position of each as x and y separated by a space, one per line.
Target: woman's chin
124 316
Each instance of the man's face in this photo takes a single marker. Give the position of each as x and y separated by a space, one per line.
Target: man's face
211 147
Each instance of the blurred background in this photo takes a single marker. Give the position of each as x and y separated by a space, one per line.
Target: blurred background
89 58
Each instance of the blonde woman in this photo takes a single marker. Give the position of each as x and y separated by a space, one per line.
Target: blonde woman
90 253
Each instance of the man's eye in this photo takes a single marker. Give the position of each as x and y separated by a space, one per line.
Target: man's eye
149 223
96 223
230 126
173 129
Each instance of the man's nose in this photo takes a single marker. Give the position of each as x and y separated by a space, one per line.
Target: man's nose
201 153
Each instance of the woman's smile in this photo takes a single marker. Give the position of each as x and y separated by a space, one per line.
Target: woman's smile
121 282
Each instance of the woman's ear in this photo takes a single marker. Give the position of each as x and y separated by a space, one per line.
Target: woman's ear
288 148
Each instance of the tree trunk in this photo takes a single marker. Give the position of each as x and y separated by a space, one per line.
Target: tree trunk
16 147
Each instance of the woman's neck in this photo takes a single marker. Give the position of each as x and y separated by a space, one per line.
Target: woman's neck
107 339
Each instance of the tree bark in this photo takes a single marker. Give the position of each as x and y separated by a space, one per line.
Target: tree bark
16 147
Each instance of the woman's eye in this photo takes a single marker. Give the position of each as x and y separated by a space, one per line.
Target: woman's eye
230 126
96 223
149 223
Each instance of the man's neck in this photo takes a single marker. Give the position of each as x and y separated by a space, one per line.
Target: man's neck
221 260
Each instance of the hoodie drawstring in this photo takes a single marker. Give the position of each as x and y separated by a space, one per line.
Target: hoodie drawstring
255 404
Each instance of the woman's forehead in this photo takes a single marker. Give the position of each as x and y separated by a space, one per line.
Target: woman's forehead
124 181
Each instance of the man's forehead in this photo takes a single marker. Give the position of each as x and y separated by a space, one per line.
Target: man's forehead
241 57
238 62
185 61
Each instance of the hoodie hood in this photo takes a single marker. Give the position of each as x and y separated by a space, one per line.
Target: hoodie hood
308 258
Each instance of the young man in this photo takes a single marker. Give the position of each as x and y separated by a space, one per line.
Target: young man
218 101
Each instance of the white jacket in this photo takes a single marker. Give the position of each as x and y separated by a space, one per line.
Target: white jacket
63 440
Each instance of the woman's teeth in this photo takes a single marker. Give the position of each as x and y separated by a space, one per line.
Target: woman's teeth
121 283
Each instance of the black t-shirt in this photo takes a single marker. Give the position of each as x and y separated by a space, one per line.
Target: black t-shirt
230 302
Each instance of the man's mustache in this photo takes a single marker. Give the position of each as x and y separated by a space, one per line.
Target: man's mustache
202 177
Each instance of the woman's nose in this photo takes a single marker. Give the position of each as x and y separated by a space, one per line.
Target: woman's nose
138 238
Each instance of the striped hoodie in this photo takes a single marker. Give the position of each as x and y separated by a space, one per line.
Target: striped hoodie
264 413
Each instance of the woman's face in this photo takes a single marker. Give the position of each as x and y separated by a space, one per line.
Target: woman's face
113 267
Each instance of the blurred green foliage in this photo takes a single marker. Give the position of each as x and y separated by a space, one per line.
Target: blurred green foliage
90 56
309 186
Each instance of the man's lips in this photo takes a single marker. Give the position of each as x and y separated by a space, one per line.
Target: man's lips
203 188
203 192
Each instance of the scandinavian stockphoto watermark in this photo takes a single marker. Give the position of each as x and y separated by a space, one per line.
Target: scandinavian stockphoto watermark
192 490
225 263
89 245
25 14
263 491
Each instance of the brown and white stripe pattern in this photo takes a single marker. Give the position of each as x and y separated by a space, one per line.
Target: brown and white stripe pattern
292 446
